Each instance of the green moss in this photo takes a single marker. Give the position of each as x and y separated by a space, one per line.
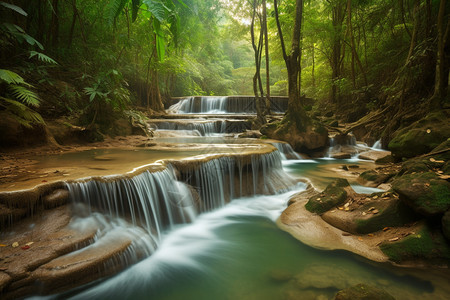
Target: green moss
332 196
424 245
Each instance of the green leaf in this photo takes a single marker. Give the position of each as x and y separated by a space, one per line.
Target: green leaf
160 47
14 7
25 95
42 57
157 9
11 77
23 114
116 7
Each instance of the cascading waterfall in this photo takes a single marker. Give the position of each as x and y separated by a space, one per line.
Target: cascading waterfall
204 128
153 201
227 177
377 145
286 151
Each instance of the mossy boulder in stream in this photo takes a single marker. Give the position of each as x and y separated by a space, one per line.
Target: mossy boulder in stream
373 178
427 245
333 195
426 193
363 292
421 137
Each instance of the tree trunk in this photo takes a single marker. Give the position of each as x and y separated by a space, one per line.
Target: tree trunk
257 82
336 55
266 43
72 26
53 36
412 45
441 82
295 110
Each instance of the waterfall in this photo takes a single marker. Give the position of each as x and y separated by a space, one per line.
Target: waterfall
228 177
153 201
377 145
286 151
221 105
202 128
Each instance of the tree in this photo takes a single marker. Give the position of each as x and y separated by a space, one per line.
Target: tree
292 60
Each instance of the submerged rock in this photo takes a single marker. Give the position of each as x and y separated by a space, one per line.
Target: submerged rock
333 195
426 193
363 292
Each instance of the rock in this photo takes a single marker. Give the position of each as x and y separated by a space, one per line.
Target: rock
255 134
385 160
382 210
426 193
373 178
427 245
280 276
310 140
333 195
363 292
446 225
56 198
374 155
422 136
325 277
341 155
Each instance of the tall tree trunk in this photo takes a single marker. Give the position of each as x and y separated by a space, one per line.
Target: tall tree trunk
53 36
441 80
266 47
295 110
336 55
257 49
413 43
72 26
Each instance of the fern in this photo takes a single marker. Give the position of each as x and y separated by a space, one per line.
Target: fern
21 113
14 7
25 95
42 57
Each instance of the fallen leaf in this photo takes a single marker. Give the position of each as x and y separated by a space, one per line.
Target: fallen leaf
26 247
375 211
370 234
3 245
432 160
347 204
375 197
427 184
444 177
15 244
386 228
428 130
364 213
393 239
360 238
347 209
440 172
372 208
340 208
318 199
29 243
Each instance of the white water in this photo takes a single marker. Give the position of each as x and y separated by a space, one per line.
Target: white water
286 151
208 105
193 128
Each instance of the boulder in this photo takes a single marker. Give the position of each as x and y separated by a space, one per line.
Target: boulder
380 210
427 246
310 140
373 178
363 292
426 193
422 136
374 155
333 195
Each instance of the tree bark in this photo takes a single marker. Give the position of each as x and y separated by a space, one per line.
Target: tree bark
266 43
441 84
295 110
336 56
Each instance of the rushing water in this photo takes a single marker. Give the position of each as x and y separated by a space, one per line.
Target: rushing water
237 252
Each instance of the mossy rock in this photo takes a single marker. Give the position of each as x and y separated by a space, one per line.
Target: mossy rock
426 193
391 212
333 195
380 210
373 178
421 137
427 245
363 292
385 160
446 225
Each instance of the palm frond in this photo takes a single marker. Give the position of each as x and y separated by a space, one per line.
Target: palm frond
42 57
25 95
23 114
11 77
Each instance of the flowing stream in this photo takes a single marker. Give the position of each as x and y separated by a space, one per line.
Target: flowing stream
228 246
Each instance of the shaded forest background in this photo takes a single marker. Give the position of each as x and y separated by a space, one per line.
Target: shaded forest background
91 63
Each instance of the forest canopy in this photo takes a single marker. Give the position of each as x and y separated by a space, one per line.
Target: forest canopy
94 58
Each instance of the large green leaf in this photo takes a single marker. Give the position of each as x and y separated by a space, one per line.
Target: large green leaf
160 47
42 57
25 95
11 77
115 8
23 114
157 9
14 7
